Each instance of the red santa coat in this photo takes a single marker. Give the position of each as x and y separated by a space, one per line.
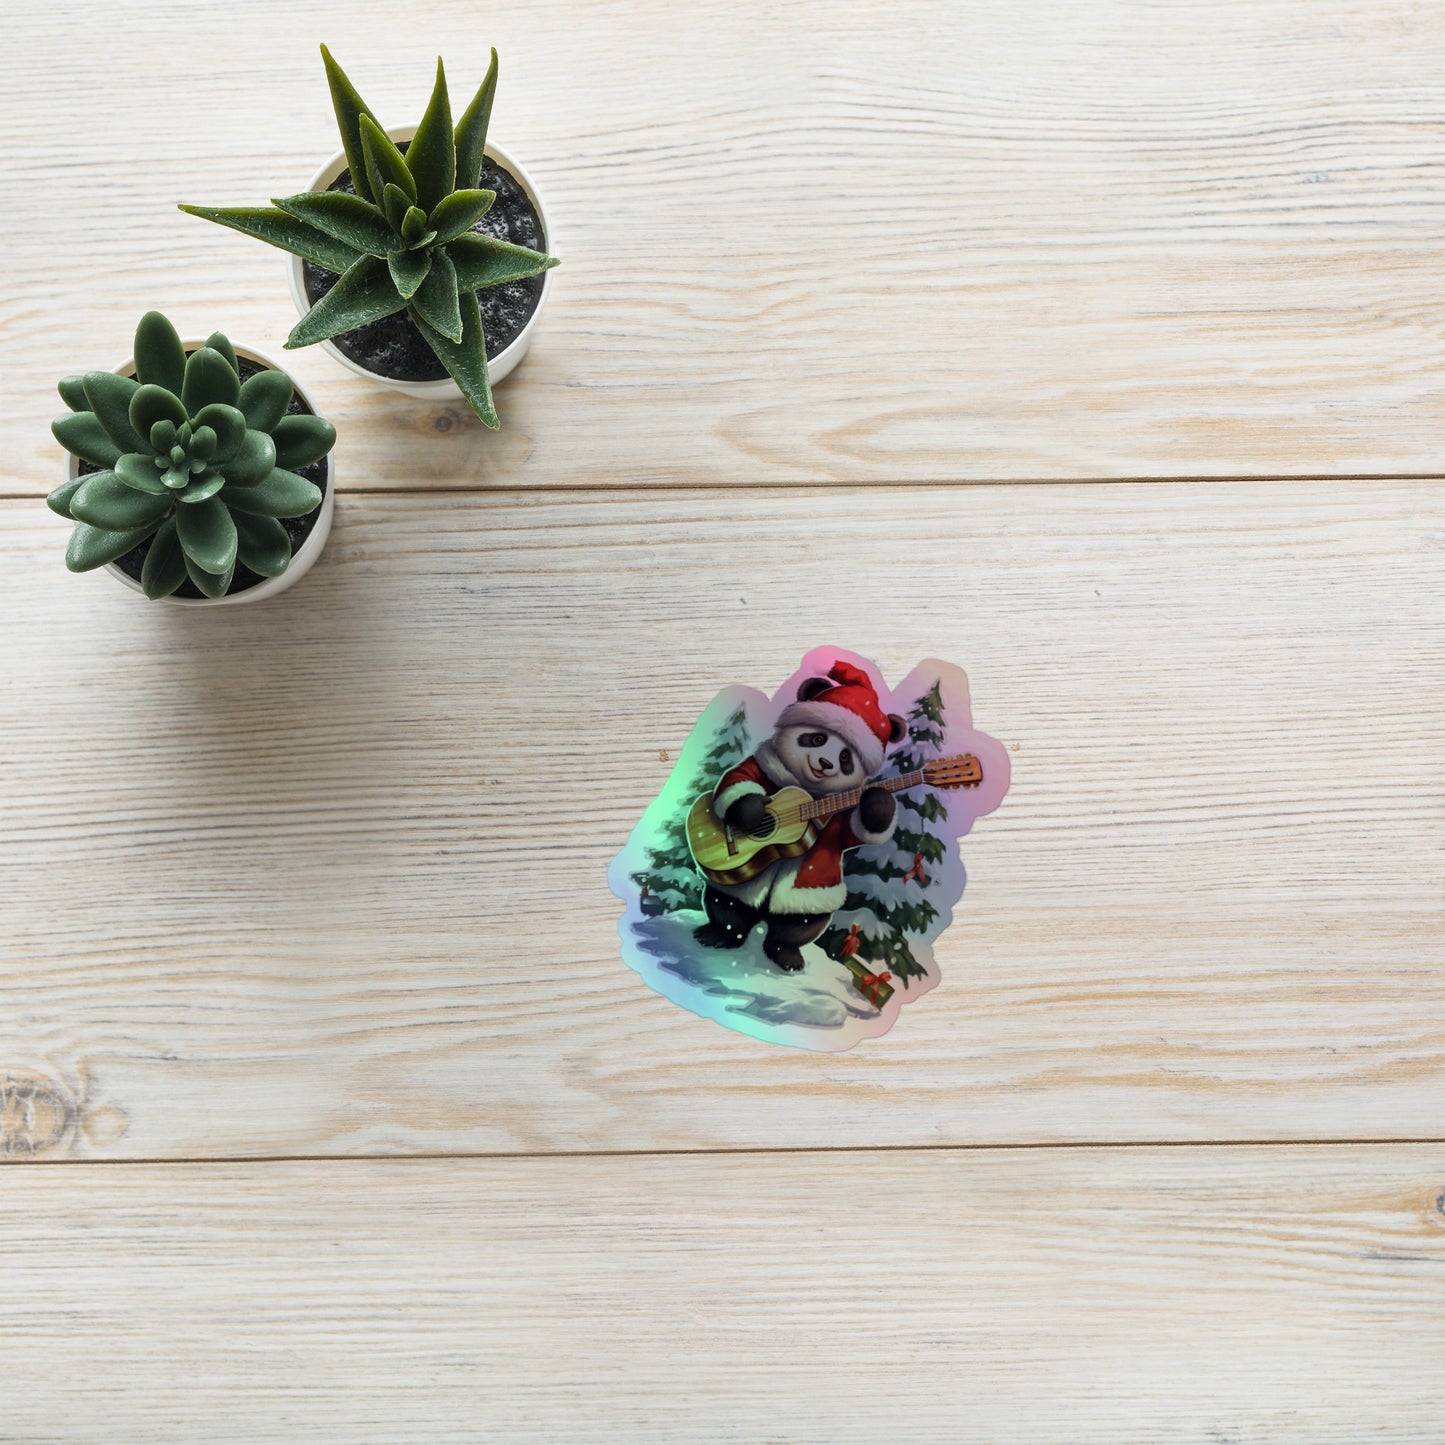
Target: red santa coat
812 883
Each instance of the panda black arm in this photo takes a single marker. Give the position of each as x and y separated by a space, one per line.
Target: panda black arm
875 809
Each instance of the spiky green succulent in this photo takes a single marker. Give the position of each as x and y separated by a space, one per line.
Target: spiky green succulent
191 458
404 240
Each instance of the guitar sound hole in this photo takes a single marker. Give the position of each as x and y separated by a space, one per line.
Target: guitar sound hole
766 828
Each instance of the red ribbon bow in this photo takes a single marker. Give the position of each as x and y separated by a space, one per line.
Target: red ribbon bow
870 983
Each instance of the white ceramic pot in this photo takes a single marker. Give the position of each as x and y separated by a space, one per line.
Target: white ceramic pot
303 559
498 367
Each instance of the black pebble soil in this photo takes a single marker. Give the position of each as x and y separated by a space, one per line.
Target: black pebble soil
393 346
297 528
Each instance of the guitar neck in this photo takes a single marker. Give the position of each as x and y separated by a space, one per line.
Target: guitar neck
837 802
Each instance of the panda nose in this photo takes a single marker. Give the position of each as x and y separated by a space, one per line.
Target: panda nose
824 766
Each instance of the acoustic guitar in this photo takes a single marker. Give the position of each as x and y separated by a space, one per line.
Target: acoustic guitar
790 816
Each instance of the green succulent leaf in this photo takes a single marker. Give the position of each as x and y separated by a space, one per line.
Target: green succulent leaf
208 535
72 393
349 108
471 134
264 399
109 397
204 442
465 360
432 155
210 584
59 500
482 261
164 568
160 359
81 433
384 163
219 341
346 218
206 485
105 501
229 425
210 380
365 293
262 544
459 212
276 228
396 203
254 460
414 229
92 547
162 436
152 404
437 300
301 440
282 494
139 472
408 271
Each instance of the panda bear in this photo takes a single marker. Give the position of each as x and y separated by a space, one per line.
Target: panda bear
830 740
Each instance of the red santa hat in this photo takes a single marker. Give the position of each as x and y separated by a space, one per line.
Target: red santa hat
848 707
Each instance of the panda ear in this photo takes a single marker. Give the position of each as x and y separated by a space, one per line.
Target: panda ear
813 687
897 728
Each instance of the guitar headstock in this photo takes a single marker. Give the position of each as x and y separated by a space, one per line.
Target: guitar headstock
962 770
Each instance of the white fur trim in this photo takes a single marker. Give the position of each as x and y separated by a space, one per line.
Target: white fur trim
856 819
724 800
774 768
787 897
840 720
774 891
754 892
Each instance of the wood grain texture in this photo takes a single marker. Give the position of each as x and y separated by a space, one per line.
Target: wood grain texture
326 875
1119 1297
832 242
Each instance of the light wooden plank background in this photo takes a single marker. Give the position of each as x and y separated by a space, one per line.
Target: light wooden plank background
1123 1297
328 876
831 241
318 885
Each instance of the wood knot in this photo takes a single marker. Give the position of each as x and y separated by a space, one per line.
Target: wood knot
35 1115
445 421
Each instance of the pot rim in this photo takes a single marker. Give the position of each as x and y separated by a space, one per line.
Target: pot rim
301 561
500 366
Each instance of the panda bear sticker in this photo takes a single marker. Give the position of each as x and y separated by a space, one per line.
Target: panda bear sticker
790 879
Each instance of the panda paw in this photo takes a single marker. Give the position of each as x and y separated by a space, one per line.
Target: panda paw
790 960
875 809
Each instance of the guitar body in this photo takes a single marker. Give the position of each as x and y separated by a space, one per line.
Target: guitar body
725 855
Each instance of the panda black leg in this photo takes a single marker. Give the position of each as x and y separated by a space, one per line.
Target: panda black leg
729 921
787 933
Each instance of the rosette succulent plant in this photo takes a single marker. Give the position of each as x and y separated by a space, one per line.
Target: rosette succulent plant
404 240
188 456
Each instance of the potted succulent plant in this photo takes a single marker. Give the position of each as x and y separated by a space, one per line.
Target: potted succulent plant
198 472
418 254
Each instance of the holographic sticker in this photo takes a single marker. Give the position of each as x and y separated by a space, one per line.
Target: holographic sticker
792 876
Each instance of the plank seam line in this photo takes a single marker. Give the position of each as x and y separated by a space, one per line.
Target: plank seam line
857 485
1055 1146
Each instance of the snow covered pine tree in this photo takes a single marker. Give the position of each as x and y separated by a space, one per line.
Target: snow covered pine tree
889 886
671 877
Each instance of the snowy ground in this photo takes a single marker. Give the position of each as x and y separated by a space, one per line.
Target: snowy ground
817 1008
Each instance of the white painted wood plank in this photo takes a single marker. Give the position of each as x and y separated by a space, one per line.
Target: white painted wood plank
327 875
1122 1297
833 241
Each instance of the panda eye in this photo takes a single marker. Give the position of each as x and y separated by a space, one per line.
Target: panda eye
813 740
845 761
